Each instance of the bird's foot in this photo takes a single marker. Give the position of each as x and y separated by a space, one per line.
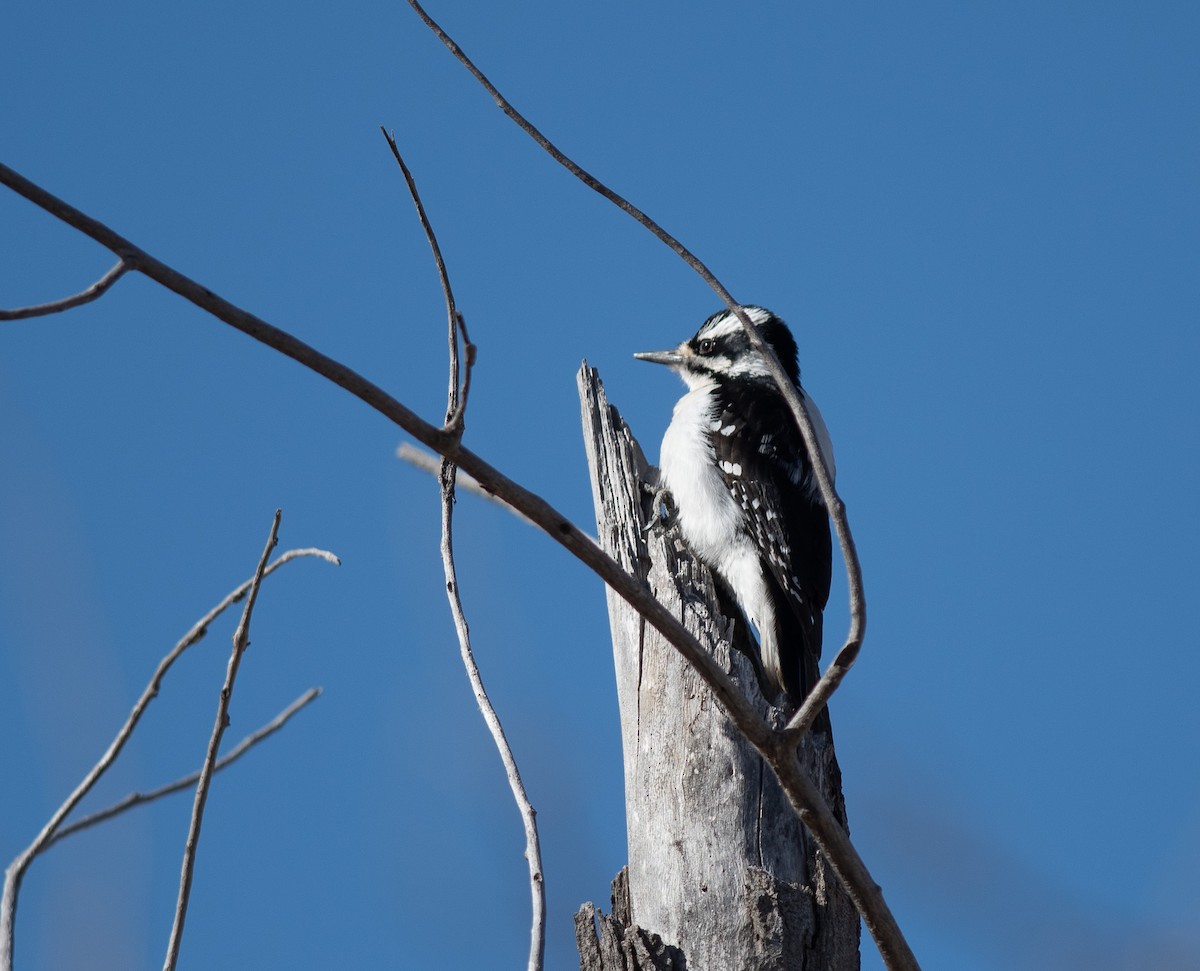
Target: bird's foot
661 513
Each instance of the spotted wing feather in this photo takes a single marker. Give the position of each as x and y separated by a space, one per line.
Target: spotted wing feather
762 461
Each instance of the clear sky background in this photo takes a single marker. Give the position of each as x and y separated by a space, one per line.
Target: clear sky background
981 222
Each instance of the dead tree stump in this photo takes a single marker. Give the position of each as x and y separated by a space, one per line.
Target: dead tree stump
722 875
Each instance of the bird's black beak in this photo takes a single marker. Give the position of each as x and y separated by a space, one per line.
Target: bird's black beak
669 358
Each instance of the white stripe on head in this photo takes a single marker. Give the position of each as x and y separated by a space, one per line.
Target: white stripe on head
726 323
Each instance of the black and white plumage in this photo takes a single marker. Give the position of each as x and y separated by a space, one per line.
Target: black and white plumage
747 500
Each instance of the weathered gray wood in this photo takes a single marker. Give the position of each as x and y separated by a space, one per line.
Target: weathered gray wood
719 864
614 943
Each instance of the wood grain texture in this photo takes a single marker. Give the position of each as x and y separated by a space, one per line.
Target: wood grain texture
719 865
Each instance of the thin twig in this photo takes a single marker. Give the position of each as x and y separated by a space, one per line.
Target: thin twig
456 420
533 853
430 236
850 870
795 399
241 641
554 152
95 291
15 872
135 799
821 692
456 403
432 463
454 413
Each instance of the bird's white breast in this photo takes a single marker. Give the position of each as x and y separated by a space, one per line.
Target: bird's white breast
709 517
708 514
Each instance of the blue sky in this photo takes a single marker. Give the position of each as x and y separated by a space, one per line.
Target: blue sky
981 222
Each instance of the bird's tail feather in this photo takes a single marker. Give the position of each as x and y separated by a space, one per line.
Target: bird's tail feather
792 657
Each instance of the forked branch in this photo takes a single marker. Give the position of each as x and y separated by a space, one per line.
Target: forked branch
135 799
456 404
94 292
16 870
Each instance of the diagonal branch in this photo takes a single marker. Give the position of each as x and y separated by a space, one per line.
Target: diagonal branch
850 870
241 641
16 870
795 400
94 292
561 157
456 403
441 440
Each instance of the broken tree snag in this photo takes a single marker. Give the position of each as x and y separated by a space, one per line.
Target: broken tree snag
613 943
720 866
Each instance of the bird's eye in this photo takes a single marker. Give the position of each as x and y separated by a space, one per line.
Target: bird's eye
706 346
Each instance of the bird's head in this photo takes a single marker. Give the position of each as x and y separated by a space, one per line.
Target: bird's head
721 351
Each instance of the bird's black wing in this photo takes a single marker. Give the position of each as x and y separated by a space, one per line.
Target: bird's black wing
762 460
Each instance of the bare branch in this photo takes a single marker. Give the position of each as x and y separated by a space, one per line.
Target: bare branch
795 400
432 463
15 872
821 692
865 892
454 414
560 157
533 853
455 425
94 292
135 799
241 641
446 442
443 276
549 519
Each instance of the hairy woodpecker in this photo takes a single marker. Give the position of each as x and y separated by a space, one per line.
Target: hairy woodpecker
746 498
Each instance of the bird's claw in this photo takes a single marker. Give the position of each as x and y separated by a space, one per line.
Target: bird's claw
662 508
